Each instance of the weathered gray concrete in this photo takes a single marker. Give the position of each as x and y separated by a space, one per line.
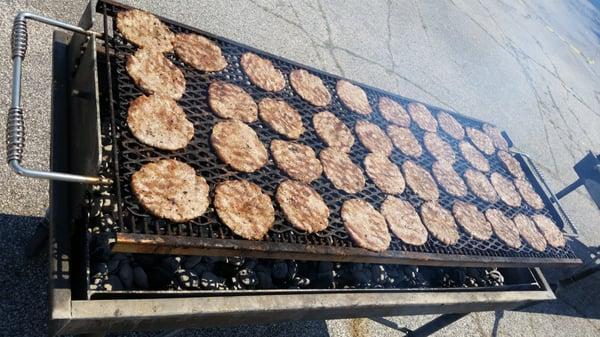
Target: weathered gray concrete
531 68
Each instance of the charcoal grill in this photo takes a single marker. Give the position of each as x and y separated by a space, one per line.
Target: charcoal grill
92 87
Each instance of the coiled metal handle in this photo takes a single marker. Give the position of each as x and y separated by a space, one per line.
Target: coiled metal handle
19 37
15 125
15 135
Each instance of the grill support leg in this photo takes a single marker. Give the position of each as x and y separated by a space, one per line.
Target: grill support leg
436 324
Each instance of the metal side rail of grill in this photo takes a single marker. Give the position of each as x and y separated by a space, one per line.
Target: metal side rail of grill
140 232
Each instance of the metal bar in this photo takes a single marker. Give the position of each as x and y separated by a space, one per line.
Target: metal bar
154 314
568 189
163 244
553 197
15 123
113 126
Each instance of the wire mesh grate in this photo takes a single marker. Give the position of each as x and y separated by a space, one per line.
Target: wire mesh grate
133 155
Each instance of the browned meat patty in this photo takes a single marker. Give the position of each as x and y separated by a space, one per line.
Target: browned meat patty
158 121
393 112
511 164
438 147
310 87
481 140
439 222
262 72
244 208
420 181
281 117
302 206
405 141
384 173
529 194
496 136
474 157
529 232
296 160
404 221
373 138
155 74
481 186
553 235
171 189
238 146
450 125
341 171
333 131
506 190
230 101
145 30
422 116
472 220
353 97
447 177
365 225
199 52
504 228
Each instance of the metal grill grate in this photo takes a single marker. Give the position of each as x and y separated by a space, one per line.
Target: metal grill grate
133 154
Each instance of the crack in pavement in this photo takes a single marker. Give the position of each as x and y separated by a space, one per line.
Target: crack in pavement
329 43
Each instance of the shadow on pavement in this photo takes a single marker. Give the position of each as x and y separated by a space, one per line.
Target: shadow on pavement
23 280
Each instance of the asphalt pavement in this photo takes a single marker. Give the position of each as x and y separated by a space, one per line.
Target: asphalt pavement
530 68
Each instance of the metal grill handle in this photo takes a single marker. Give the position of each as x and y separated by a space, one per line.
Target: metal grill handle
15 126
553 198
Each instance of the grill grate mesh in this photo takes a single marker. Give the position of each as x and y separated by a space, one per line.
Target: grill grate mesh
133 154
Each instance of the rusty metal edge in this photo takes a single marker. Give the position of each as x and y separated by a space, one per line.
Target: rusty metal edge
157 244
114 315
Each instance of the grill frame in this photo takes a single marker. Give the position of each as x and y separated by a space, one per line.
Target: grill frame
332 244
72 313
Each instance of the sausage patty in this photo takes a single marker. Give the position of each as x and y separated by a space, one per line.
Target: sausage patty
439 222
145 30
353 97
238 145
384 173
422 116
404 221
472 220
302 206
365 225
341 171
405 141
281 117
155 74
373 138
227 100
158 121
420 181
171 189
481 186
333 131
393 112
262 72
296 160
244 208
310 87
199 52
